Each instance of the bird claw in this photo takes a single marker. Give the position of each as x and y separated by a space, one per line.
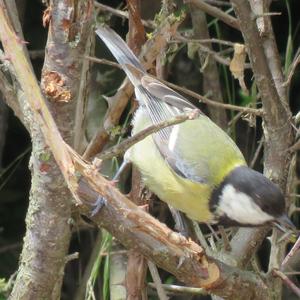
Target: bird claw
114 182
100 202
180 262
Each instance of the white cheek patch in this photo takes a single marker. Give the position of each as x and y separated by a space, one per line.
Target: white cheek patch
239 207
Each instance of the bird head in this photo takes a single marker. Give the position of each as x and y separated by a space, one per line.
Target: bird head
247 198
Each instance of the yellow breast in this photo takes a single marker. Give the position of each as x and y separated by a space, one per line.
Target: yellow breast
207 149
185 195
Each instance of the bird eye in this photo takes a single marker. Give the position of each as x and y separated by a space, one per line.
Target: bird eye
266 207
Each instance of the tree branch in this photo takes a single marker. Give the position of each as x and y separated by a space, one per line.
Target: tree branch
292 70
48 231
10 96
257 112
287 282
211 81
215 12
121 14
277 129
126 144
171 251
211 102
265 29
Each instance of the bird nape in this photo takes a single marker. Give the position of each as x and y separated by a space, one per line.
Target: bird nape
194 166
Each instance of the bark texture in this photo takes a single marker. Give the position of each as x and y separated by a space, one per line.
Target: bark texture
48 229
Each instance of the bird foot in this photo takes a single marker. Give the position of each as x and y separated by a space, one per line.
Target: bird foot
100 202
114 182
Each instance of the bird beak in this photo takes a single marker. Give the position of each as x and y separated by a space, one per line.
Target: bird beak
284 224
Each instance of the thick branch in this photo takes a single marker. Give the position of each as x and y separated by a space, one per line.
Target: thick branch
48 232
245 243
264 25
276 128
131 225
186 260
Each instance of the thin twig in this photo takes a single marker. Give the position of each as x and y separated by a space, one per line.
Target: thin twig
268 14
204 41
71 257
254 111
121 14
201 238
233 121
295 63
292 273
177 289
85 282
225 238
214 54
212 243
103 61
209 69
294 195
157 281
214 233
215 12
295 147
287 281
256 154
292 252
10 247
123 146
218 3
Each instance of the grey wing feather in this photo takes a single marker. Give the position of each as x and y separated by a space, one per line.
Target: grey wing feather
167 95
161 102
120 51
162 138
132 67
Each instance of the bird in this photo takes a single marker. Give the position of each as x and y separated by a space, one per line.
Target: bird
193 166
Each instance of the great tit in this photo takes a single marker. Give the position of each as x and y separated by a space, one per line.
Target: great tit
194 166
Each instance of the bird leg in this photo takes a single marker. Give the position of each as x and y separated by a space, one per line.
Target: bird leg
101 201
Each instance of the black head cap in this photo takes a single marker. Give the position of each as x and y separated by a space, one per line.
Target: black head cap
264 193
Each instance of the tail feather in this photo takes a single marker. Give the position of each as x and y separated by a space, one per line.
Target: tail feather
162 102
120 50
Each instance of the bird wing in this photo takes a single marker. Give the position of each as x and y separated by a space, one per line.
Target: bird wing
163 103
197 149
166 139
